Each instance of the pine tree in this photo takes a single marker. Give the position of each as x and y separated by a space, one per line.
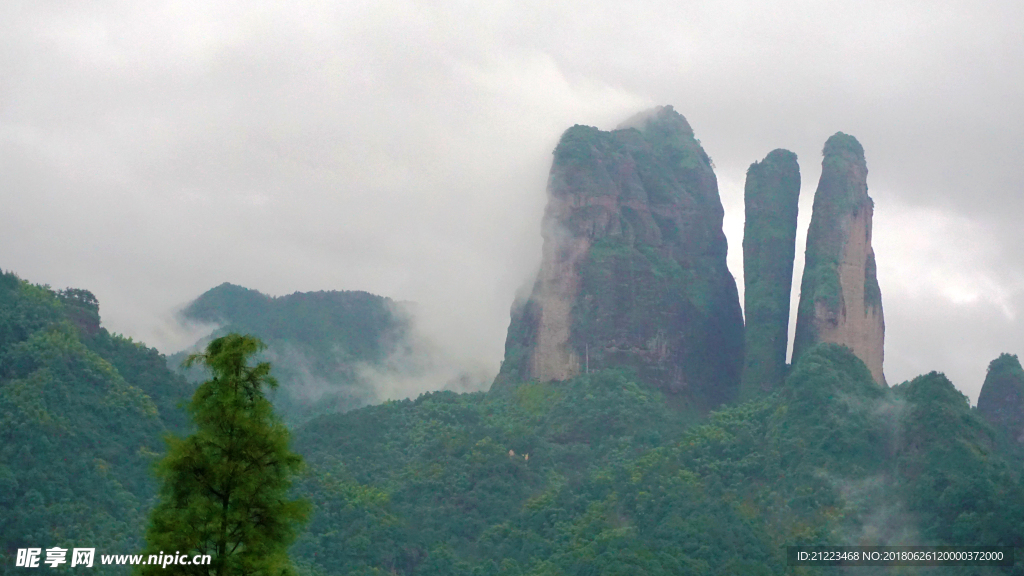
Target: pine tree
224 490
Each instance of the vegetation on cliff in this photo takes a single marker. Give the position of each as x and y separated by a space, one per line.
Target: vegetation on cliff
835 200
769 245
840 300
1001 402
649 289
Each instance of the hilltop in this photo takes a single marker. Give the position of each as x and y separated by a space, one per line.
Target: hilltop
319 343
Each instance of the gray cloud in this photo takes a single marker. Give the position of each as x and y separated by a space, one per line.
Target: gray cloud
149 151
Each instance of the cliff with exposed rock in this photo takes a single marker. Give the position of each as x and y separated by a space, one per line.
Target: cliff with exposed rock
633 269
840 300
769 244
1001 400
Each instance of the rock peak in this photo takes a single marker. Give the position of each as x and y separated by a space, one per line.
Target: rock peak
663 117
1001 400
633 268
771 195
843 144
840 300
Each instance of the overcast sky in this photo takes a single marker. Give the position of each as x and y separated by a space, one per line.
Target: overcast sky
152 150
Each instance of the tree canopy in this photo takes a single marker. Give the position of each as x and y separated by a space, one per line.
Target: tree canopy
225 487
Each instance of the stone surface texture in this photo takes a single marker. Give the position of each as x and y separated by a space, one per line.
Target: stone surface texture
840 300
633 268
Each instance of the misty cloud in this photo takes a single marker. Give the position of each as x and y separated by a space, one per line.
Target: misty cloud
151 151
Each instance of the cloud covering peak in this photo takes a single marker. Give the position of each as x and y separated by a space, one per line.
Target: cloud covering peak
149 151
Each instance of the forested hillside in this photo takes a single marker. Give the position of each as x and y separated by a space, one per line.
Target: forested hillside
82 415
317 342
596 476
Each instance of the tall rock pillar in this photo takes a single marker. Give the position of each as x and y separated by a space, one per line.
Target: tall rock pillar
1001 401
839 296
771 195
633 271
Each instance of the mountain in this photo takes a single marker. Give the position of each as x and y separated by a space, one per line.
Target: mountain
633 268
319 343
840 300
771 194
82 418
612 441
596 475
1001 401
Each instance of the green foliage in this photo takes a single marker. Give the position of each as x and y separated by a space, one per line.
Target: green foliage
769 244
609 248
82 308
616 483
639 307
519 342
1007 364
146 369
1001 403
536 398
577 144
952 477
872 292
827 290
351 323
24 309
81 416
316 342
452 485
832 410
841 144
225 487
669 161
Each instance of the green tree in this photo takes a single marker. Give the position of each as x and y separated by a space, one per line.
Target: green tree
225 488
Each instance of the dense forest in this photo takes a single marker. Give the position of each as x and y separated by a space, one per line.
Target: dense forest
318 342
597 476
82 417
594 475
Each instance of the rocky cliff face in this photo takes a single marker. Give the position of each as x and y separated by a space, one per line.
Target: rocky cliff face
1001 401
769 245
633 269
839 296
